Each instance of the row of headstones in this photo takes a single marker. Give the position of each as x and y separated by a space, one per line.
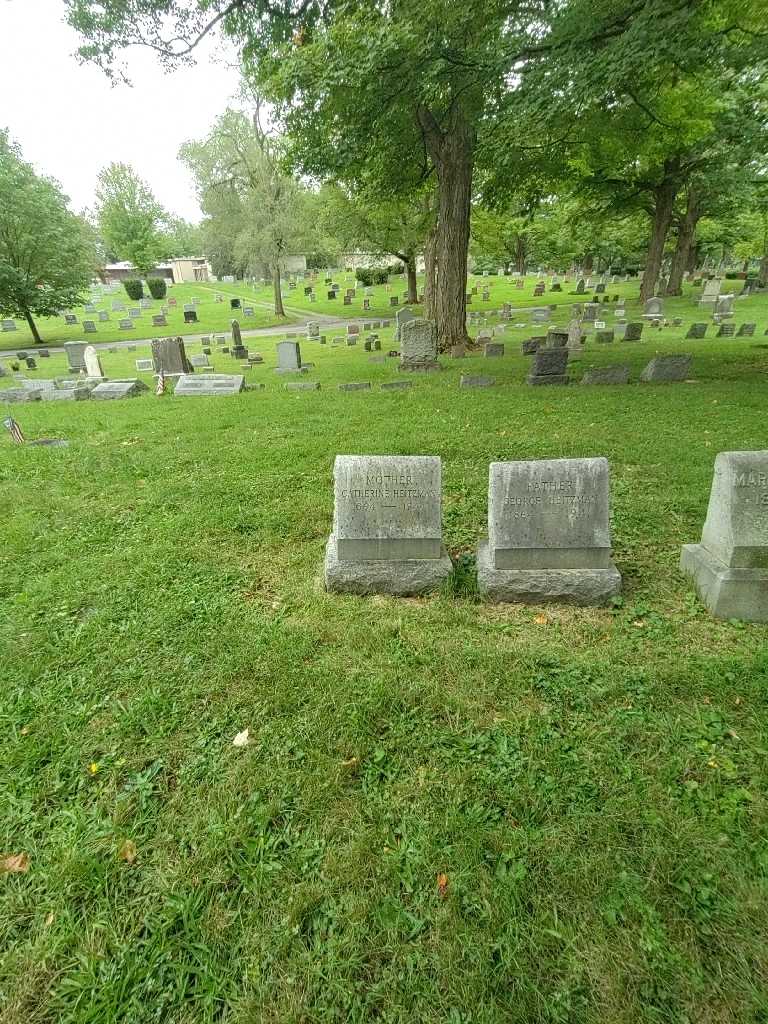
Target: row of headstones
548 532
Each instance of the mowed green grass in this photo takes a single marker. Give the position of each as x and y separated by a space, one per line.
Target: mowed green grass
591 783
213 317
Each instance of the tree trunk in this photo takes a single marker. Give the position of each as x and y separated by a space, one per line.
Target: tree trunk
413 286
430 254
279 311
32 327
452 151
686 232
762 274
693 257
589 261
521 254
664 195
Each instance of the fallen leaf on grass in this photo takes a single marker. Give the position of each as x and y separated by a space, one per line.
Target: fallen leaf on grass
353 762
639 623
242 739
127 851
49 920
442 885
14 863
540 620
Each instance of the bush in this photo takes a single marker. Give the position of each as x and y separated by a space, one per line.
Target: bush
157 287
370 276
134 287
735 275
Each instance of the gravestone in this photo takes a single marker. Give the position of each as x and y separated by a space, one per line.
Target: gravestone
549 367
76 394
358 385
530 346
31 363
19 395
591 311
402 316
467 380
726 330
697 331
239 351
710 294
599 288
540 315
117 389
746 331
607 375
549 535
198 361
103 315
724 307
92 362
125 325
234 303
248 311
418 346
633 332
653 309
134 314
387 526
493 350
667 369
144 365
8 325
302 385
557 337
209 384
580 286
604 337
289 358
89 326
74 351
458 351
190 316
158 320
396 385
730 565
70 319
169 357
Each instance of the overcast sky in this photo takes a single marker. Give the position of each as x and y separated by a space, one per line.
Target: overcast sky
70 122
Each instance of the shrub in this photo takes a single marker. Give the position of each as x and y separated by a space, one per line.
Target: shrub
735 275
134 287
370 276
157 287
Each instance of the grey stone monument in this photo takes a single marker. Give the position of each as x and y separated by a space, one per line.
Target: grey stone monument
729 567
549 535
549 366
418 345
209 384
617 374
92 362
75 353
289 358
169 355
387 526
667 369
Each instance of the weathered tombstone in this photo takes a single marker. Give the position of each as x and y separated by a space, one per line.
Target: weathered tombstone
667 369
557 337
726 330
248 311
396 385
591 310
117 389
358 385
234 303
580 286
493 350
76 394
599 288
549 535
169 357
134 313
402 316
31 363
200 361
313 329
697 331
653 309
289 358
190 316
209 384
302 385
604 337
159 320
144 365
730 565
74 351
89 326
387 528
746 331
710 294
103 315
19 395
70 319
531 345
458 351
239 351
92 362
418 345
633 332
549 367
467 380
606 375
540 315
724 307
8 325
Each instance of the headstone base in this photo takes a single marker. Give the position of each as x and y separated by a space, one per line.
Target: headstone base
291 369
728 593
398 578
419 367
540 586
550 378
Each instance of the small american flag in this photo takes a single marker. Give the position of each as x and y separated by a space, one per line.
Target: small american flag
14 430
160 389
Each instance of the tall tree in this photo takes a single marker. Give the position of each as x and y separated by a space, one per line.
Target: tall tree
239 162
47 253
397 92
131 220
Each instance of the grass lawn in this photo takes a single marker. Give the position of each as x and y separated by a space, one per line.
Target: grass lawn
213 316
448 811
